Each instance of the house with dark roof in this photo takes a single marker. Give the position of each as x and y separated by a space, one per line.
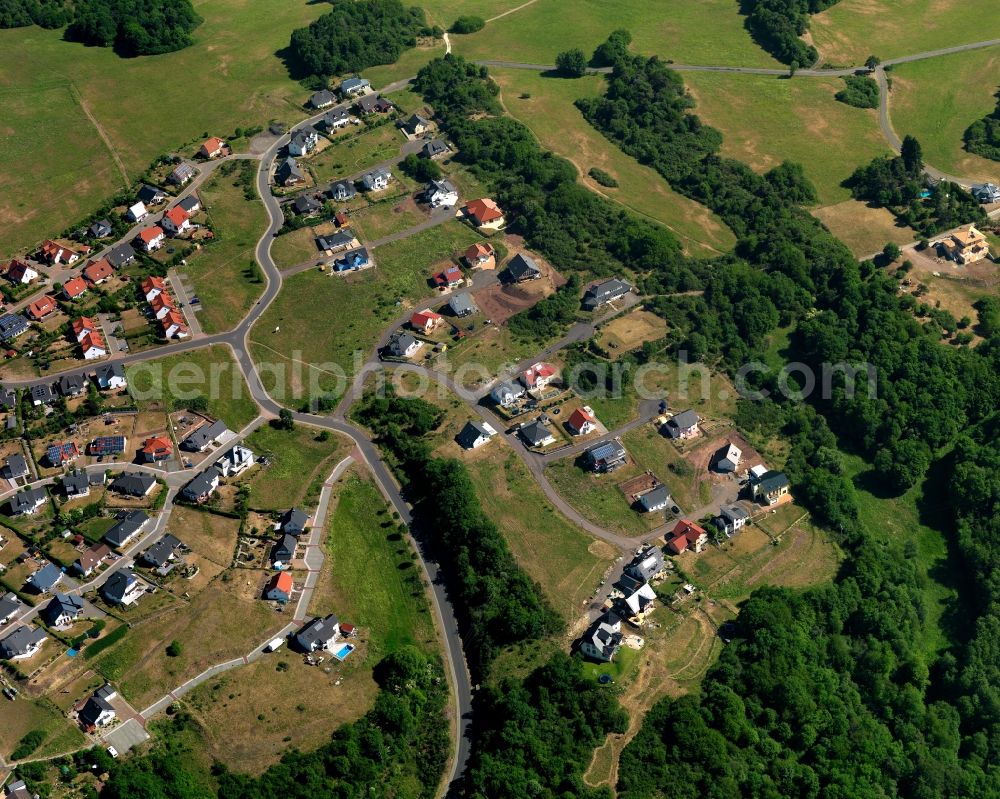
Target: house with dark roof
377 179
98 711
122 588
507 393
334 120
307 205
63 609
121 255
42 394
461 305
655 499
352 87
10 606
205 436
12 326
133 484
324 98
101 229
603 640
72 385
26 502
434 149
107 445
289 173
22 643
475 435
190 204
45 579
414 125
521 268
770 488
646 566
536 434
129 525
335 242
161 553
374 104
731 519
18 790
202 486
181 174
76 484
294 521
318 634
403 345
352 261
342 190
151 195
111 376
605 292
62 453
605 457
303 141
15 466
236 461
683 425
283 551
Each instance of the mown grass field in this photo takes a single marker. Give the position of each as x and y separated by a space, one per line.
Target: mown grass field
560 127
299 464
704 32
225 276
210 372
26 715
294 248
766 120
368 302
359 149
937 99
146 106
865 230
850 31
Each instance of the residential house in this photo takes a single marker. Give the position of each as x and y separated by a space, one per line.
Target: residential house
605 457
209 434
279 589
45 579
352 87
133 484
63 609
538 375
324 98
98 711
202 486
14 467
121 255
731 519
605 292
93 346
8 398
353 260
303 141
172 325
283 552
435 149
377 179
27 502
966 246
441 194
151 195
306 205
103 446
151 238
21 273
374 104
128 526
728 458
318 634
122 588
289 173
18 790
152 286
59 252
10 606
23 643
639 604
42 394
655 499
414 125
212 148
74 287
61 454
41 307
334 242
686 535
99 271
521 268
342 191
162 553
191 204
111 376
485 213
683 425
335 120
582 421
101 229
645 567
506 394
12 326
425 321
156 448
76 484
461 305
475 435
82 326
986 193
480 256
181 174
176 221
161 305
449 278
603 640
770 488
137 212
91 559
236 461
294 521
536 434
403 345
72 385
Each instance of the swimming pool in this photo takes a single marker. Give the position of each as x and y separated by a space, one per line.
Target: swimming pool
343 651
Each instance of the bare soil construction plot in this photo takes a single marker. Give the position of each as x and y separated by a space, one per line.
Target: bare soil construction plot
630 331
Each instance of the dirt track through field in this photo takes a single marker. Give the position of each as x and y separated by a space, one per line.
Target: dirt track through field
102 133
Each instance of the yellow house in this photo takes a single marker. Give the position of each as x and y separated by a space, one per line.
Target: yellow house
966 246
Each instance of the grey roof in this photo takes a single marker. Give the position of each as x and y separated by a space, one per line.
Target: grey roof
461 304
381 172
303 136
27 500
683 420
203 484
346 190
100 229
332 117
189 202
126 528
16 466
60 604
18 790
294 521
655 498
523 267
21 641
535 433
12 326
121 255
444 185
71 385
9 604
46 577
353 259
606 291
284 550
771 481
733 512
8 397
317 631
158 554
434 147
151 194
118 584
109 370
323 97
204 436
135 484
181 173
288 169
399 344
305 204
76 483
335 241
43 393
92 711
607 452
472 432
353 84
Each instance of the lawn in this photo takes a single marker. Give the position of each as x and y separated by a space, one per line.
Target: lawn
766 120
322 354
299 464
865 230
225 276
851 30
385 218
360 149
560 127
210 372
703 32
229 78
937 99
653 451
26 715
294 248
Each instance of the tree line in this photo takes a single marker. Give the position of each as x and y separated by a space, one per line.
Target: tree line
44 13
982 137
778 26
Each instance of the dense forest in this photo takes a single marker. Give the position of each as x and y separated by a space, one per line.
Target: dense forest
21 13
353 36
982 137
861 91
778 26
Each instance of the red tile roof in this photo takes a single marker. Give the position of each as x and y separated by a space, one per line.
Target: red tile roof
540 369
478 251
16 270
158 446
450 275
283 582
74 287
171 318
151 233
97 271
93 340
153 282
421 319
684 533
161 301
83 325
177 215
341 219
213 145
42 307
578 418
484 210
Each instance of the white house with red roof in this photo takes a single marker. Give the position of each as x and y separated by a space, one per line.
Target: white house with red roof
686 535
582 421
98 271
20 272
450 278
176 221
161 304
212 148
74 287
152 238
153 285
425 321
93 346
485 213
84 326
538 375
56 252
41 308
173 325
481 256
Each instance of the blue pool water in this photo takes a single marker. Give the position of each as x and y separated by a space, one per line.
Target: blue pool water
343 651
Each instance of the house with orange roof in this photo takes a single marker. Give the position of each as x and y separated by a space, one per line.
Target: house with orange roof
280 587
93 346
450 278
966 246
61 252
425 321
582 421
481 256
81 327
156 448
173 325
74 287
212 148
686 535
485 213
162 303
41 308
538 375
97 272
176 221
151 286
151 238
20 272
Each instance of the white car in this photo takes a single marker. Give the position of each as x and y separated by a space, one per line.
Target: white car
112 751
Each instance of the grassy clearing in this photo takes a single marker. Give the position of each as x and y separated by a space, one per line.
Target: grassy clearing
26 715
937 99
232 60
850 31
407 66
294 248
360 149
384 219
560 127
400 274
706 32
299 464
864 230
210 373
767 120
210 535
225 276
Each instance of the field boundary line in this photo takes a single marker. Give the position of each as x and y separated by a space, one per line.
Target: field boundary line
75 93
